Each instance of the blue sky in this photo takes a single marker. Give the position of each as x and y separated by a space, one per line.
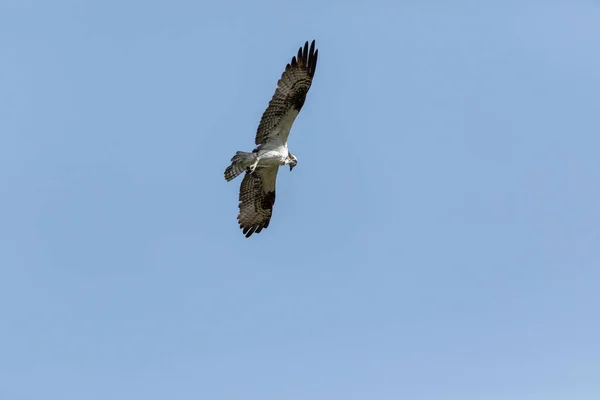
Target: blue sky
439 238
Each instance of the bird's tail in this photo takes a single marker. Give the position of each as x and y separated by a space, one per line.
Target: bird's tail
239 163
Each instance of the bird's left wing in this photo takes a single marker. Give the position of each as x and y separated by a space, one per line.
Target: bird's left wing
257 197
286 103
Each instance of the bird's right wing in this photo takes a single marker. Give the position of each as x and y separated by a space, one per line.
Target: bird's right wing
286 103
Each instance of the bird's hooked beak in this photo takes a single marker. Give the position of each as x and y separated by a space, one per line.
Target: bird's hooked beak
293 161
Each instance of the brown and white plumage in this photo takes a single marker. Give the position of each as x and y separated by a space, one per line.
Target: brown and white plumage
289 96
257 191
257 196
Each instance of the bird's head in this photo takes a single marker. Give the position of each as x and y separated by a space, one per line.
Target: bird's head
293 161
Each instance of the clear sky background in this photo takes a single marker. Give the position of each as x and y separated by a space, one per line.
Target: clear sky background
439 238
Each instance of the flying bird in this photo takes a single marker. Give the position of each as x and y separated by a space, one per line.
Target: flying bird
257 190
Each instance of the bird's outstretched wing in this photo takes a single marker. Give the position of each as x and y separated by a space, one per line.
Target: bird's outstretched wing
257 196
289 97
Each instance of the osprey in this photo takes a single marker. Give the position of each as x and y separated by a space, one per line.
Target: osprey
257 191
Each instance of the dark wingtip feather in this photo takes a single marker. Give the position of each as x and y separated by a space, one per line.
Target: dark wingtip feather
250 230
311 55
247 230
305 58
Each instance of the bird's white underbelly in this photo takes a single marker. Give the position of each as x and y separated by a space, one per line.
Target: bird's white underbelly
272 157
